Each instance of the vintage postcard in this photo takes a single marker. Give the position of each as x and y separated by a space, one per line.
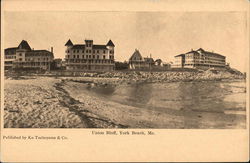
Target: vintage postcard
124 81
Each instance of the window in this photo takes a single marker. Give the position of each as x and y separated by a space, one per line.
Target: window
20 54
89 51
93 56
89 56
97 51
74 51
82 51
77 51
86 56
104 51
97 56
77 56
74 56
93 51
103 56
20 59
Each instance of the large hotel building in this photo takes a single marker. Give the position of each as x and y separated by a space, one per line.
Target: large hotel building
25 57
200 59
89 56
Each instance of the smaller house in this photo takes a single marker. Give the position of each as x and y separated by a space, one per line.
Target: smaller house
136 61
167 65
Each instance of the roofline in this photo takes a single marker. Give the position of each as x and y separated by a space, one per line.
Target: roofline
180 55
11 48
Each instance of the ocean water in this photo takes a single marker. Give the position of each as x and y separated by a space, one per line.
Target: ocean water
208 96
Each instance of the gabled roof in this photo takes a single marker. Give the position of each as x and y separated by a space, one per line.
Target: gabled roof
99 47
200 49
136 54
69 43
110 43
24 45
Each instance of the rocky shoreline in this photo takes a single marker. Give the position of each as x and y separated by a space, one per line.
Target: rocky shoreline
131 77
117 77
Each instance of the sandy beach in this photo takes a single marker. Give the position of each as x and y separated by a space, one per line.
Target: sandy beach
66 102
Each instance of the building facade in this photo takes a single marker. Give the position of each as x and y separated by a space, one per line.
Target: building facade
136 61
200 59
89 56
9 57
25 57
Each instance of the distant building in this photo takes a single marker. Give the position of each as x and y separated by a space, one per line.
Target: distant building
9 57
25 57
58 62
200 59
89 56
136 61
166 65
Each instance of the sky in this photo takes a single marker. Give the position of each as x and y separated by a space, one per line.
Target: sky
161 34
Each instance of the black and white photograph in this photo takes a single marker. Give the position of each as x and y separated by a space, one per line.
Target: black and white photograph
124 81
164 70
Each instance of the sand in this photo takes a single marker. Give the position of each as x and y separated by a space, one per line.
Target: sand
49 102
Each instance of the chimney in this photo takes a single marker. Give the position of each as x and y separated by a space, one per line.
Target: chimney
51 49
